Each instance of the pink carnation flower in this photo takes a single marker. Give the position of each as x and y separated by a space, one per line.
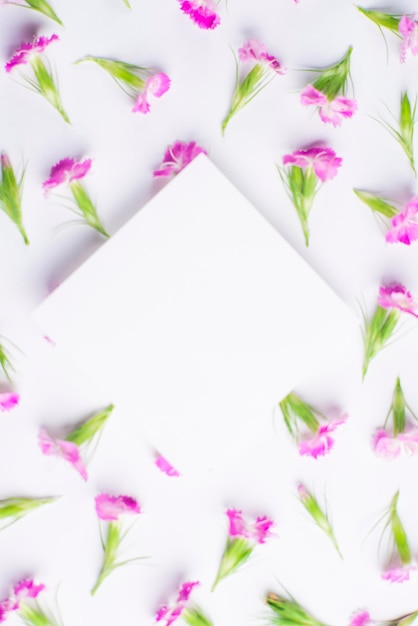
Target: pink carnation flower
323 160
202 12
386 446
398 574
27 589
396 296
320 443
110 508
156 85
166 467
66 171
170 614
8 401
27 50
258 531
64 449
330 111
177 156
408 29
404 224
256 51
360 618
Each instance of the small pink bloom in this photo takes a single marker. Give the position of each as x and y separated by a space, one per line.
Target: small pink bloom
404 224
8 401
254 50
386 446
156 85
65 171
202 12
27 589
323 160
141 103
26 50
259 530
396 296
320 443
165 466
65 449
361 618
409 441
408 29
330 111
109 508
170 614
303 493
177 156
398 574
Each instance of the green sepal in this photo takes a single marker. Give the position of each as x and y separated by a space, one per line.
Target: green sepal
293 409
126 75
42 6
376 204
111 547
34 616
11 197
288 612
333 79
378 331
86 431
320 518
18 507
87 208
399 535
384 20
126 3
398 409
5 363
237 551
194 616
46 86
405 620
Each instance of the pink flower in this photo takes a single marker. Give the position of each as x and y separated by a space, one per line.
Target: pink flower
110 508
321 443
65 171
408 28
64 449
409 441
396 296
386 446
330 111
254 50
404 225
27 589
202 12
259 530
26 50
177 156
170 614
323 160
398 574
8 401
156 85
165 466
361 618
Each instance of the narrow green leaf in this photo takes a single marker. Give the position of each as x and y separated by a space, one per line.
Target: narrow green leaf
194 616
87 208
398 408
385 20
11 196
86 431
379 205
237 551
47 87
44 7
289 612
399 534
333 79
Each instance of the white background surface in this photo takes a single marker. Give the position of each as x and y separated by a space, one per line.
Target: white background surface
185 541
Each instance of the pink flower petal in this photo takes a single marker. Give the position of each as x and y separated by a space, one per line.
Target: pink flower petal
323 160
361 618
404 224
8 401
110 508
170 614
141 104
258 531
254 50
311 96
320 443
408 28
396 296
63 449
386 446
335 111
261 529
27 589
202 12
177 156
165 466
398 574
26 50
65 171
158 84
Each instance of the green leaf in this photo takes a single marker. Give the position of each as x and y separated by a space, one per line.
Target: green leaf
293 409
320 518
378 332
376 204
111 547
399 534
398 408
333 79
46 86
289 612
86 431
385 20
34 616
5 362
125 74
237 551
194 616
11 203
44 7
87 208
17 507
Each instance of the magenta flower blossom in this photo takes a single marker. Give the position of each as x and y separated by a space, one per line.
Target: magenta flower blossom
110 508
330 111
360 618
321 443
321 159
256 51
396 296
27 589
66 171
171 613
258 531
156 85
63 449
8 401
166 467
398 574
385 445
177 156
404 224
201 12
408 28
23 55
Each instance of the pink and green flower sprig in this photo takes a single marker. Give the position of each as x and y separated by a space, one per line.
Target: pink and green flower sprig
41 6
402 437
403 26
24 602
402 223
71 172
362 618
13 509
400 565
316 439
303 176
202 12
265 68
327 92
189 613
318 515
288 612
74 445
11 194
112 510
243 537
43 81
393 299
177 157
137 82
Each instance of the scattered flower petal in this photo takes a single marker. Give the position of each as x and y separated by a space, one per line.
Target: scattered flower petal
163 465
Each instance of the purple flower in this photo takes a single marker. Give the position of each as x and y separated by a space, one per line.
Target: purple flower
27 50
330 111
404 224
321 159
396 296
360 618
166 467
201 12
27 589
110 508
156 85
170 614
256 51
177 156
258 531
408 29
66 171
8 401
398 574
64 449
321 442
